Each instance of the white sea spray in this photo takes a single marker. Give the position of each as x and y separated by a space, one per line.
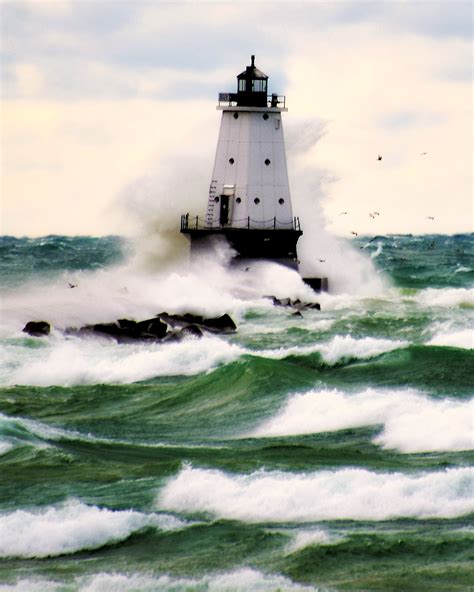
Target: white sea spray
338 494
411 421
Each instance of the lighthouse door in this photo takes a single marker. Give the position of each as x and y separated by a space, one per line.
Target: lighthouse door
224 213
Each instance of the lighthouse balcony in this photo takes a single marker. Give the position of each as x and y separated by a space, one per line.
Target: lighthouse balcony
195 223
250 239
238 102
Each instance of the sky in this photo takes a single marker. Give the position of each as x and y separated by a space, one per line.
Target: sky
108 110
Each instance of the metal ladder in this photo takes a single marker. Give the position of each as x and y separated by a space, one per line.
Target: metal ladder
211 203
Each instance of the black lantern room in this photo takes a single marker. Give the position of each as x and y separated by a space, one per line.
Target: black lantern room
252 87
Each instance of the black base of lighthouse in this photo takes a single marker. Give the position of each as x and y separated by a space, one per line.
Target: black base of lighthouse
274 245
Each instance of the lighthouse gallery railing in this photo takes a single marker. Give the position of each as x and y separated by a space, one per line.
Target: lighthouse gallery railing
195 223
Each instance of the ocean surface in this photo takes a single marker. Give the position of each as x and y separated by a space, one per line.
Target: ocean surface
326 452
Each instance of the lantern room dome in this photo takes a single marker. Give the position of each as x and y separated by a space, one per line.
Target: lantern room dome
252 92
252 87
252 71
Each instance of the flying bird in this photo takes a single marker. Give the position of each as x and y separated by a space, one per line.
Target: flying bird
372 215
424 153
379 157
354 233
72 285
322 260
343 213
430 217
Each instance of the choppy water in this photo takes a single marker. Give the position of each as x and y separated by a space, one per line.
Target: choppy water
329 452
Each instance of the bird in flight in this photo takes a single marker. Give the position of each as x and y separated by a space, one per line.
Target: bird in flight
343 213
379 157
424 153
354 233
430 217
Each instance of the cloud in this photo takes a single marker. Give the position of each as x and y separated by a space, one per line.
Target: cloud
406 119
76 44
97 94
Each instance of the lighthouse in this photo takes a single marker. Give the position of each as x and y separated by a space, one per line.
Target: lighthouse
249 201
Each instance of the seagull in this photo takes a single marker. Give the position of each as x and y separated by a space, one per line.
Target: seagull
424 153
354 233
72 285
379 157
430 217
322 260
377 213
343 213
372 215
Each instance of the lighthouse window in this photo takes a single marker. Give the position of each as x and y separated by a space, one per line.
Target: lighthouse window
267 161
231 161
259 85
256 201
242 85
238 200
265 116
236 116
216 199
281 201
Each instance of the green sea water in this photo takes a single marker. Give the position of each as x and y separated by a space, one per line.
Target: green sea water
330 452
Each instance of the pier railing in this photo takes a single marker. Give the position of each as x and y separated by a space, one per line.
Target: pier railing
196 223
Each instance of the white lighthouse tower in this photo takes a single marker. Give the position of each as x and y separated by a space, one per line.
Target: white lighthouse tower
249 196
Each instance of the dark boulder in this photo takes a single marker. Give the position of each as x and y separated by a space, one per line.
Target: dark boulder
112 329
296 304
191 331
177 320
221 324
281 301
155 327
125 330
37 328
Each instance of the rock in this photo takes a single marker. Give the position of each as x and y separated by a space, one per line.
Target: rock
112 329
125 330
221 324
296 304
281 301
297 314
191 330
155 327
37 328
176 320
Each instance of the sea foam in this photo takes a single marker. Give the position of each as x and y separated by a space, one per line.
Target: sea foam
238 580
312 537
412 421
446 297
342 494
463 338
72 527
78 361
75 361
340 347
